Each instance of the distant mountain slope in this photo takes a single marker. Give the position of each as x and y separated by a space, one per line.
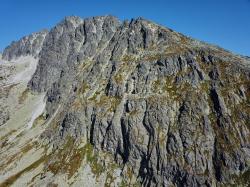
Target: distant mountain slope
111 103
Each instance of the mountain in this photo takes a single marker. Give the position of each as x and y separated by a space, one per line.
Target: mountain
101 102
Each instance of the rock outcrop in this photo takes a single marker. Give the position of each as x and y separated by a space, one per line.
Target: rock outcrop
28 45
169 110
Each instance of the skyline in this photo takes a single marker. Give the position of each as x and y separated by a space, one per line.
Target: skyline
222 23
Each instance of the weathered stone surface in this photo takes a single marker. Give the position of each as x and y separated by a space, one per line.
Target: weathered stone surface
169 109
28 45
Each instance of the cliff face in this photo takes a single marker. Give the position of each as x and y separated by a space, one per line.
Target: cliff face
166 109
29 45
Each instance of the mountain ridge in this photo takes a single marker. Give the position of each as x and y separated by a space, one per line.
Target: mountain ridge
126 20
133 103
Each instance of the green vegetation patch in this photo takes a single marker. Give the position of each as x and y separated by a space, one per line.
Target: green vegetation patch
129 58
70 158
108 102
13 178
242 179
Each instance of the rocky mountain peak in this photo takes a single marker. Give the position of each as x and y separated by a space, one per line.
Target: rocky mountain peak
28 45
130 103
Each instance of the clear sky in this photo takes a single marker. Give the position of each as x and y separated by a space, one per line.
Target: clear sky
222 22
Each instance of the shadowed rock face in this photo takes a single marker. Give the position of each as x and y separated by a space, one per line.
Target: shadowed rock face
171 110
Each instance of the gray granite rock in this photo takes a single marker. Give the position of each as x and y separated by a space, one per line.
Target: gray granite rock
28 45
159 102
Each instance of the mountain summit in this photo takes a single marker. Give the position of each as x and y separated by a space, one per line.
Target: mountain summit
100 102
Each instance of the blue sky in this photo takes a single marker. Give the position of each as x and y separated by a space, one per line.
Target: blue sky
222 22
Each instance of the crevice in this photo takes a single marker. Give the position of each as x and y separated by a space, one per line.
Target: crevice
126 142
92 127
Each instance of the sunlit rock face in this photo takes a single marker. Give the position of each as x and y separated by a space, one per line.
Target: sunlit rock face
124 103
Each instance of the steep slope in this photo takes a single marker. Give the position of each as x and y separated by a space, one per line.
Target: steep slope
127 103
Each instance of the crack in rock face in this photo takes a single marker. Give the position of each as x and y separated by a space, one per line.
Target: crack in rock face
135 103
